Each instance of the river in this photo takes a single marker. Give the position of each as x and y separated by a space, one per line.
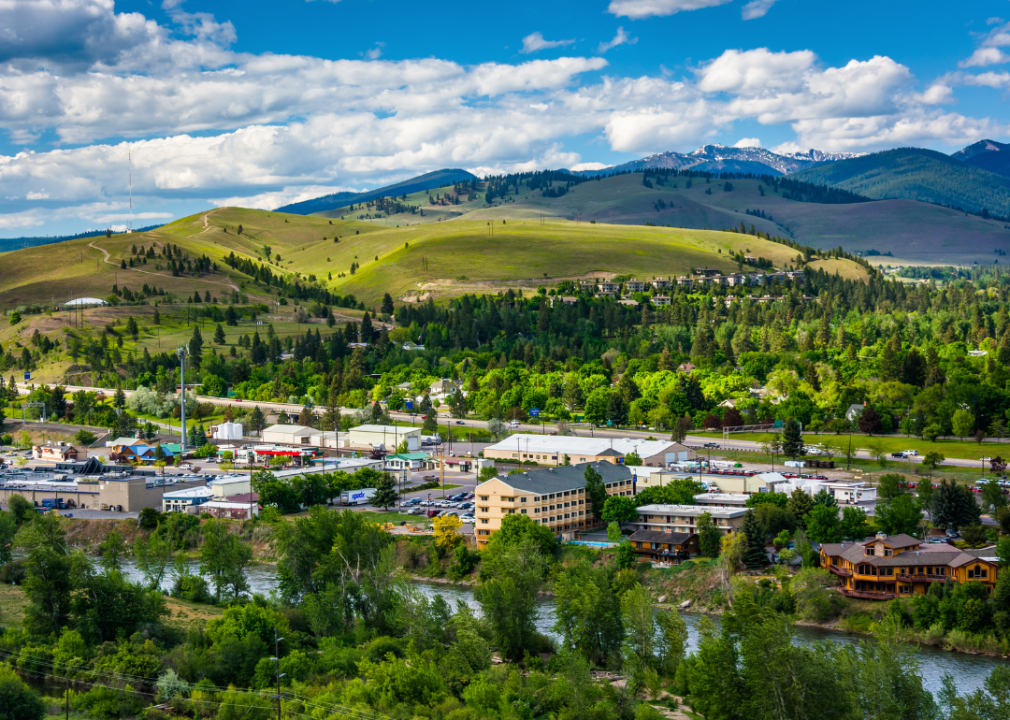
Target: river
969 671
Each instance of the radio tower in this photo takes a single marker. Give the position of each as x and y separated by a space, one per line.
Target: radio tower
129 156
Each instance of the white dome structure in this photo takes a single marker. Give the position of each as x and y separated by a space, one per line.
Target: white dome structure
85 301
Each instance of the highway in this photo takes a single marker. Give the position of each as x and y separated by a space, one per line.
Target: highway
694 441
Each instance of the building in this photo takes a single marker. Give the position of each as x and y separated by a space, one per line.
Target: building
684 518
59 452
552 449
179 500
666 547
636 286
555 497
289 435
722 500
660 283
226 509
608 287
412 347
232 485
441 390
390 436
407 461
660 300
886 567
139 454
109 488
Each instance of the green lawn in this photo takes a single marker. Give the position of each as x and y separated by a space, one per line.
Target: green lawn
966 450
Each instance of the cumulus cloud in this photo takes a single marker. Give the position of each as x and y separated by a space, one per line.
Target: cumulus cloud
985 56
757 9
535 41
621 38
639 9
747 142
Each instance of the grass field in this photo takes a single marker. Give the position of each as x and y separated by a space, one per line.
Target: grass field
964 450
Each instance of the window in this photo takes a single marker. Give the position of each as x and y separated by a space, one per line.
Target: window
904 589
868 551
887 571
523 511
522 499
888 552
484 498
483 521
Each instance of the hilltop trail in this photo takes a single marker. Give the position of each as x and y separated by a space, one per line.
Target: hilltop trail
231 285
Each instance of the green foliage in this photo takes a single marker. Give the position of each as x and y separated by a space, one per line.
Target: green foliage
679 491
17 700
823 525
900 515
596 491
619 509
709 535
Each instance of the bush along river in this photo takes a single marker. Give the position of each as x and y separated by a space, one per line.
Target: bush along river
969 671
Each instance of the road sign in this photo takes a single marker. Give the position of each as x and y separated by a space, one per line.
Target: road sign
28 375
534 412
409 404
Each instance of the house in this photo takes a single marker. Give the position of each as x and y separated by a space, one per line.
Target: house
653 546
59 452
411 347
684 518
660 283
140 454
889 566
685 282
608 287
686 367
636 286
442 389
179 500
554 497
553 449
854 412
627 302
289 434
706 271
660 300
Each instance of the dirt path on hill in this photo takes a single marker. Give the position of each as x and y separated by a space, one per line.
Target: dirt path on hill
206 225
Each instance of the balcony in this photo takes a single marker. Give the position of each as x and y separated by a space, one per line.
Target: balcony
866 594
841 572
921 578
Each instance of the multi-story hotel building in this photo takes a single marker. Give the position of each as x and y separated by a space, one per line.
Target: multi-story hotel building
555 497
684 518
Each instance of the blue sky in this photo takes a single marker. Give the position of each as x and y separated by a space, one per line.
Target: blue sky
259 103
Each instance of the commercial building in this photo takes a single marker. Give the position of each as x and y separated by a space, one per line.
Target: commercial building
886 567
407 461
655 546
390 436
59 451
226 509
684 518
555 497
223 487
722 500
552 450
108 489
179 500
289 435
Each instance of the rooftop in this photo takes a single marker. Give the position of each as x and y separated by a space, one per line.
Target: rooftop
571 445
725 498
657 536
389 429
195 492
719 512
293 429
565 477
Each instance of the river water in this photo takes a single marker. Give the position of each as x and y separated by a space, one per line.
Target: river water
969 671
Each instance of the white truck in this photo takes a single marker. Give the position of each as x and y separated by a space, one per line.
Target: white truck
356 497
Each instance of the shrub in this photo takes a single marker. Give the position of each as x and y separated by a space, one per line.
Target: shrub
105 702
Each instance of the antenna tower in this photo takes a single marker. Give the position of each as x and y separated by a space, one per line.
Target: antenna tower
129 155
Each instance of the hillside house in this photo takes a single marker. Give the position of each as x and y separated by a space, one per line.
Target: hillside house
665 547
636 286
660 300
57 452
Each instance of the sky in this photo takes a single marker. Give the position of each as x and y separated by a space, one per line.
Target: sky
259 103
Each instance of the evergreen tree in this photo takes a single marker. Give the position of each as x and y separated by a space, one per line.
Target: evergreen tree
387 304
196 346
596 491
800 504
256 419
792 439
430 421
219 338
385 492
709 536
755 554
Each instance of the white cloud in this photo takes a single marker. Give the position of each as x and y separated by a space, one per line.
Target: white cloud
639 9
991 79
756 9
985 56
747 142
937 94
580 167
535 41
375 53
37 196
621 38
994 21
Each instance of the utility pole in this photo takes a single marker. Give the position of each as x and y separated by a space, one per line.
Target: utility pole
183 351
277 660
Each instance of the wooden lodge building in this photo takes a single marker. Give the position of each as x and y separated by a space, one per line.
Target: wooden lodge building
886 567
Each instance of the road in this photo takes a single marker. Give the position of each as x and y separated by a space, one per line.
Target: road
694 441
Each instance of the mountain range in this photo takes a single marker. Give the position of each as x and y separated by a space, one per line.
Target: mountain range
724 159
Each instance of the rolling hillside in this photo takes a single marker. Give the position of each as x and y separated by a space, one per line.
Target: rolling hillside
914 174
911 231
438 259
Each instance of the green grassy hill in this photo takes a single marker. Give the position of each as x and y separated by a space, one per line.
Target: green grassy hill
439 258
916 174
913 231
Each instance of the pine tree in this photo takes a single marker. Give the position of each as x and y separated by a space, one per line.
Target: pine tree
219 338
755 555
800 504
792 439
385 495
596 491
196 345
